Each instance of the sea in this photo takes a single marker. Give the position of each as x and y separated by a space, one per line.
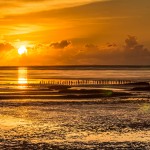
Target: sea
35 74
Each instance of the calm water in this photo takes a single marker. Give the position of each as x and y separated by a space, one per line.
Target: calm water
21 75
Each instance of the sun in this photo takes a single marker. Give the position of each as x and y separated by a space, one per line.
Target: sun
22 50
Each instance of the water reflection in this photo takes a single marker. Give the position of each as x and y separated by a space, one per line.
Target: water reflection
22 76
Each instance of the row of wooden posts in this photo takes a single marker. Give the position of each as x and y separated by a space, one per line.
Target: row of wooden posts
85 82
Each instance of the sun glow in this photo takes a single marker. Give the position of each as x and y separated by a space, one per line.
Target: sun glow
22 50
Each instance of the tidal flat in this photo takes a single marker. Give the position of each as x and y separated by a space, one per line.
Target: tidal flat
74 124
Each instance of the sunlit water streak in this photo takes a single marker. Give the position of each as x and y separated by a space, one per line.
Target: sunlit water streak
22 77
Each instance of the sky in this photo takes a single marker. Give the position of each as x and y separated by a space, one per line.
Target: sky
76 32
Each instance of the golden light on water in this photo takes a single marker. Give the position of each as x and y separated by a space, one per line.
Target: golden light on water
22 76
22 81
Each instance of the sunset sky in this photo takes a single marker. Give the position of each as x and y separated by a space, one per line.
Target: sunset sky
75 32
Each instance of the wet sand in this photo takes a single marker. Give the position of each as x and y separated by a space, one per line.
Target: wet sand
75 124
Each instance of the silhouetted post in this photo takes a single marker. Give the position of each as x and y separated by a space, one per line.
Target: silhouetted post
106 82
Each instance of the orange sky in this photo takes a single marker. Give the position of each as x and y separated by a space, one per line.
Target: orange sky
101 32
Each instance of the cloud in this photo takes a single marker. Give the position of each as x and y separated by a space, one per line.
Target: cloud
95 9
132 53
134 48
60 45
111 44
5 47
91 46
131 42
90 20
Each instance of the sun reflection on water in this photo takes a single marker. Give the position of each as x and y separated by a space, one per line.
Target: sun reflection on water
22 81
22 77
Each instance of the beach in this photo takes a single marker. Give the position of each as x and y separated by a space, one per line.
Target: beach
38 124
40 112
